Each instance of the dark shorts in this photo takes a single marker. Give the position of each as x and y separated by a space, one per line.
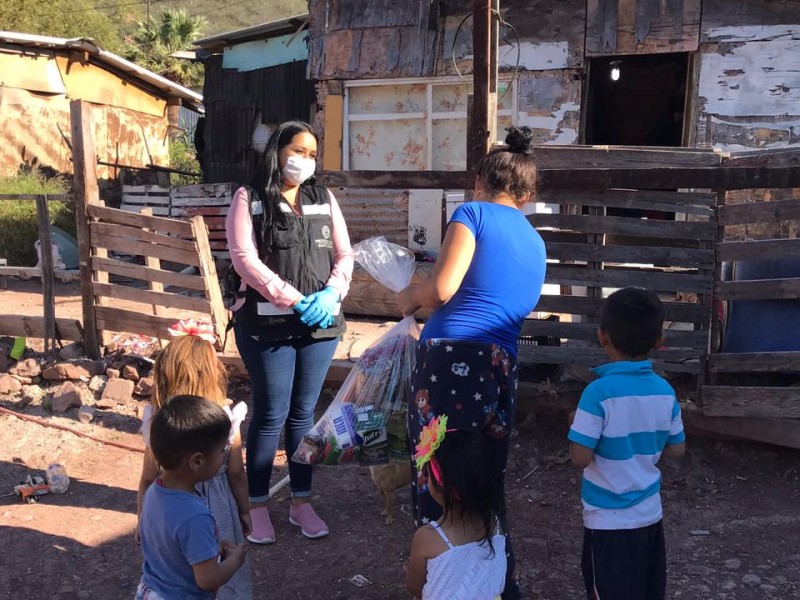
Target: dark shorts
625 563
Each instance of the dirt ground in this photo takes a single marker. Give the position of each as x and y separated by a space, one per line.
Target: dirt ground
731 518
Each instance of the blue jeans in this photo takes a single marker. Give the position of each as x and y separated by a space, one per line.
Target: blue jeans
286 379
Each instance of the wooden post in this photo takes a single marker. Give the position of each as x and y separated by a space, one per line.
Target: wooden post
208 271
483 117
155 286
84 162
47 271
707 377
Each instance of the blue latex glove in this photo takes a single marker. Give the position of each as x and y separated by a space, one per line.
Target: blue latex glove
302 304
321 307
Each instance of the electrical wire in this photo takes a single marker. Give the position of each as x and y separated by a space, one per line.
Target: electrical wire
107 6
503 23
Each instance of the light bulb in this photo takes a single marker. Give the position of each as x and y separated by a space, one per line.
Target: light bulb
615 74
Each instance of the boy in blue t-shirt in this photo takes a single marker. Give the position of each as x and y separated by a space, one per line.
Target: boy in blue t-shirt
183 556
625 421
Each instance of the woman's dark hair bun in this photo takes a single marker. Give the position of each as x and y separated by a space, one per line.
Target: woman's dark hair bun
520 140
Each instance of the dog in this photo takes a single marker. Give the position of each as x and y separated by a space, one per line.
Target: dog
388 479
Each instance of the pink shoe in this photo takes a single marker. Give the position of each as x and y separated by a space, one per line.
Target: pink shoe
263 531
303 516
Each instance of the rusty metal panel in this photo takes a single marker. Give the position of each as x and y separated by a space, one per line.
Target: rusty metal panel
365 14
236 102
92 83
749 20
371 212
550 103
121 136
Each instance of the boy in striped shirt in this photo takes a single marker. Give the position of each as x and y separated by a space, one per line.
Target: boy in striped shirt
626 420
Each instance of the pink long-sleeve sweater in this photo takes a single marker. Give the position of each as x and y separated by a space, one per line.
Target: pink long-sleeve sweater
254 273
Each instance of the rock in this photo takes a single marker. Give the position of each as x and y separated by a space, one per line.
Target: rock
86 413
23 380
751 580
97 383
26 368
704 588
80 369
729 585
72 351
112 373
778 580
9 385
699 570
83 595
733 564
30 393
66 396
765 587
117 391
699 532
130 372
144 387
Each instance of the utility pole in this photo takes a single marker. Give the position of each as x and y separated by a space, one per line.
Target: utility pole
482 110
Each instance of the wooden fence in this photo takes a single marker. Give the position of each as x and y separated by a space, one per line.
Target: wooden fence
724 395
210 201
599 252
152 239
47 327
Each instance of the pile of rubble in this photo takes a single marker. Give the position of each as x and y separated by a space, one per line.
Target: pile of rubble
118 382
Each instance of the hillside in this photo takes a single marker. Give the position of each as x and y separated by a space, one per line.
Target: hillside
228 15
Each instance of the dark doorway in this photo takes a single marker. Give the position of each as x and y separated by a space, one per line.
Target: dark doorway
636 100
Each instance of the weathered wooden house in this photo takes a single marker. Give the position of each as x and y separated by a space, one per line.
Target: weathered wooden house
255 79
393 79
133 109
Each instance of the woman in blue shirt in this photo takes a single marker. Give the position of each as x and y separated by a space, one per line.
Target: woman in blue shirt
487 279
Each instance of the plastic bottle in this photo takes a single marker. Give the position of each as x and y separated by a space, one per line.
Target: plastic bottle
57 478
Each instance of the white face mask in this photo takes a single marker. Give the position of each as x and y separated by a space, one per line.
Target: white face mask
298 169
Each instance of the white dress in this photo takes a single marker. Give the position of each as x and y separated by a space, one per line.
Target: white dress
219 496
466 572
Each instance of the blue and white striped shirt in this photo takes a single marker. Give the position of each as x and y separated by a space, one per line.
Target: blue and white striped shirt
626 416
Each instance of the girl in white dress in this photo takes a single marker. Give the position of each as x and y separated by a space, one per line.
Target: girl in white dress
462 555
189 365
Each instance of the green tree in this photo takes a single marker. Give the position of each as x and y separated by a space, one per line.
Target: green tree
67 18
157 40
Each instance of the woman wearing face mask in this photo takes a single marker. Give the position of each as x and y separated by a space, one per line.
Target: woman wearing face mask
288 242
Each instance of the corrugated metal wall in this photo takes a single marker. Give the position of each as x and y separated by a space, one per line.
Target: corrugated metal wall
235 102
371 212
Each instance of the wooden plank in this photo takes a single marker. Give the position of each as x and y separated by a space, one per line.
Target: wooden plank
697 204
190 201
676 257
758 249
754 362
47 267
122 292
774 157
160 224
87 194
660 282
628 226
203 211
684 312
761 289
651 178
159 211
145 189
129 321
155 286
783 432
33 327
132 271
680 361
755 402
146 200
749 20
758 212
141 235
208 271
673 338
623 157
125 246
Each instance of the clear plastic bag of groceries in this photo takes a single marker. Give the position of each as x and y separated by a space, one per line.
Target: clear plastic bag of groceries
366 422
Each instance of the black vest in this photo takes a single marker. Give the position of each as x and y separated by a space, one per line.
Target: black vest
301 254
